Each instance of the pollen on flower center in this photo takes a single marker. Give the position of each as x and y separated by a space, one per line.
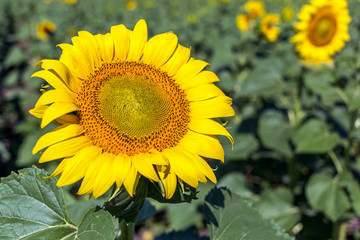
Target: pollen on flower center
322 27
132 107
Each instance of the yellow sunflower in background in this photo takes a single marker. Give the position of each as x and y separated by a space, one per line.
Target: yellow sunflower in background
255 9
44 28
69 1
131 5
288 14
322 30
267 27
242 22
130 107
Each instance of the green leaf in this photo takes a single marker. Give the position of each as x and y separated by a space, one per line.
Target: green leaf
223 53
314 137
77 209
265 79
97 224
236 182
226 81
341 116
11 78
24 158
244 145
325 194
15 57
274 131
320 83
353 189
352 92
231 217
32 207
183 215
277 205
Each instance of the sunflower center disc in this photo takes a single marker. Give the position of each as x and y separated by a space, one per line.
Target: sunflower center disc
322 27
134 105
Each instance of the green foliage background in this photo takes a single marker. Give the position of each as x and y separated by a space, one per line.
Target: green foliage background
296 130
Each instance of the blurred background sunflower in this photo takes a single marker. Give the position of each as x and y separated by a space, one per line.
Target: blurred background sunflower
322 30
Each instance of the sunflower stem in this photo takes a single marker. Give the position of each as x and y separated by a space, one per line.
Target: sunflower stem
292 173
336 161
350 141
127 230
339 230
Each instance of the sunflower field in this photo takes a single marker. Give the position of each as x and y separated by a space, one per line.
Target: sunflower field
157 119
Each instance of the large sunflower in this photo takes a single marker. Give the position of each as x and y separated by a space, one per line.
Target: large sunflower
127 107
322 30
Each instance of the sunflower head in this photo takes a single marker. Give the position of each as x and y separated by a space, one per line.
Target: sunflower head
44 28
255 9
191 18
129 107
288 14
131 5
242 22
322 30
267 27
70 1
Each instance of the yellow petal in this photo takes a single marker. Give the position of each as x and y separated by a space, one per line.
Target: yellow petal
57 135
181 166
75 61
203 145
203 92
204 77
138 38
168 180
55 95
156 158
93 46
60 168
68 119
52 79
210 127
85 52
144 166
57 110
38 111
194 160
212 108
160 48
121 164
77 165
178 59
189 70
106 175
131 181
202 165
65 148
107 46
120 35
87 184
58 68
